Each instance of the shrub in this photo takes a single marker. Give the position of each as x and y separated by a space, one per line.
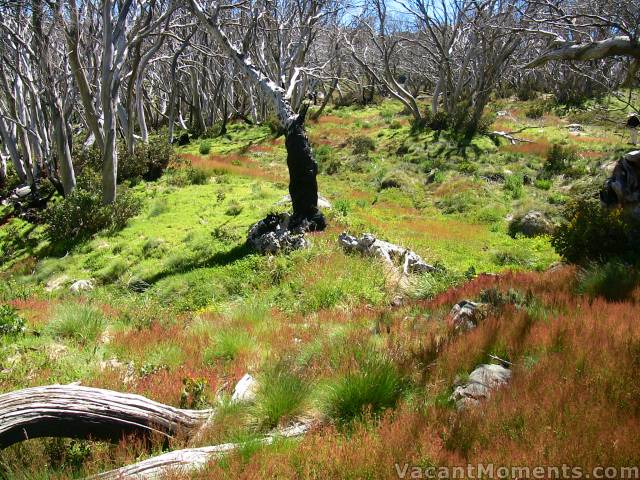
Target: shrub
373 388
514 186
82 213
205 147
613 280
10 322
228 345
439 121
362 145
82 323
281 396
591 232
148 160
536 110
542 183
181 177
560 160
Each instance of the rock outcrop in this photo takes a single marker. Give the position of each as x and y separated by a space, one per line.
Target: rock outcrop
466 315
481 382
396 257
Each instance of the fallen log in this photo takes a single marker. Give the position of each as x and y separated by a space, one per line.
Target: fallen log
188 460
75 411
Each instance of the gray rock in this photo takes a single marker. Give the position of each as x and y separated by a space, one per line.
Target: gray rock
245 390
466 315
575 127
482 381
532 224
23 191
407 261
81 285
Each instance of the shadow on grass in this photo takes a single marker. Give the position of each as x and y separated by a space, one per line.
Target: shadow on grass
218 259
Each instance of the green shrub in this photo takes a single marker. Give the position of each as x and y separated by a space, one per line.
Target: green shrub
181 177
560 160
613 280
82 323
112 271
82 213
234 209
514 186
281 396
373 388
591 232
536 110
10 322
362 145
205 147
543 183
148 160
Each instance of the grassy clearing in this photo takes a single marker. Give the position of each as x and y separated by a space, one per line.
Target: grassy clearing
182 308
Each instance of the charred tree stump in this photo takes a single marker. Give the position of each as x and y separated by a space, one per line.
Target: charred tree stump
82 412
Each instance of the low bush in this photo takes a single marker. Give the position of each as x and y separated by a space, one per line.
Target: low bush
362 145
514 186
205 147
10 322
82 213
613 280
183 176
535 111
591 233
560 160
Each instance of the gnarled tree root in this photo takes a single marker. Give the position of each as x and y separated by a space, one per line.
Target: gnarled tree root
75 411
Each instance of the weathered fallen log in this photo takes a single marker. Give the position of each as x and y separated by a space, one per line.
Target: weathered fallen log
75 411
188 460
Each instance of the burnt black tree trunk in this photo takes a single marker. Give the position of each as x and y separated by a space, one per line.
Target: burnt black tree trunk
303 168
303 185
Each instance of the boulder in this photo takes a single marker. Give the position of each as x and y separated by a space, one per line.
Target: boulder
481 382
81 286
272 235
532 224
396 257
466 315
575 127
245 390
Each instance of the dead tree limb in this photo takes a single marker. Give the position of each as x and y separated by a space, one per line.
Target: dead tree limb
188 460
566 50
82 412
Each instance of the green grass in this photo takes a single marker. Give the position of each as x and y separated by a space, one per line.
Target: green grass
81 323
282 395
374 387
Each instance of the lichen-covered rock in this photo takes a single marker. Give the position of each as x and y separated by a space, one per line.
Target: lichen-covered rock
481 382
273 234
532 224
466 315
407 261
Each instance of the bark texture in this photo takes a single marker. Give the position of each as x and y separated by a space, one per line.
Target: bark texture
82 412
